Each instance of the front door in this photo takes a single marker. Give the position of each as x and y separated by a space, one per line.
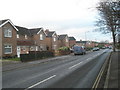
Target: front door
18 51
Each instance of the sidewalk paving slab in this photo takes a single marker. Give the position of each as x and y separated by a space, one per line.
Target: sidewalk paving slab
114 70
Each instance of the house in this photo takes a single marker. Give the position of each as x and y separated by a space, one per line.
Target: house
63 40
87 44
39 37
52 40
80 43
24 40
72 41
30 40
8 41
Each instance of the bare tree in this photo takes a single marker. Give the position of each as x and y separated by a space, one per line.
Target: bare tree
109 20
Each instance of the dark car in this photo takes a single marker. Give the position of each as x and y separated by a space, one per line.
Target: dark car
79 50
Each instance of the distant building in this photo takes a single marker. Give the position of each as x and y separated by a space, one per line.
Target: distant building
89 44
63 40
72 41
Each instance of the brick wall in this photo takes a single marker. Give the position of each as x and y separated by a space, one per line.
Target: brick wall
40 43
71 43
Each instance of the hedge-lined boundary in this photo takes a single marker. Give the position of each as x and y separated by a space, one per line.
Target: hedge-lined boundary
36 55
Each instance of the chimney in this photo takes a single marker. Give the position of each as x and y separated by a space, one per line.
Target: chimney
47 31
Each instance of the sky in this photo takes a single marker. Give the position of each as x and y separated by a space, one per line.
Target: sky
73 17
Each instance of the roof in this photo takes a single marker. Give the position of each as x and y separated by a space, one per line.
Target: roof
23 31
29 32
81 41
61 37
35 30
72 38
49 34
3 22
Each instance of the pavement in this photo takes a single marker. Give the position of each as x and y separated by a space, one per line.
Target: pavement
11 65
113 71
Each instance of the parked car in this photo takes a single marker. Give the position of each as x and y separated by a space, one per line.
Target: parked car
79 50
96 48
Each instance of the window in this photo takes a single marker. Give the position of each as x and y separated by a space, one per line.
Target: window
54 39
66 40
17 35
25 36
7 49
54 47
32 48
7 33
41 37
23 48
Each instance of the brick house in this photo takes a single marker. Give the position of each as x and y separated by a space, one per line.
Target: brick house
63 40
24 40
39 38
8 41
30 40
72 41
52 40
87 44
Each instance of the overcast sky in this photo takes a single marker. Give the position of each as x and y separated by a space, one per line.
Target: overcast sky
72 17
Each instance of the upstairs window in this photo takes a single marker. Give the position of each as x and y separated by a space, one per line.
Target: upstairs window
66 39
25 36
17 35
41 36
7 33
54 38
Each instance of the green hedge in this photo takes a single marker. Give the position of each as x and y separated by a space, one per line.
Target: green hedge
36 55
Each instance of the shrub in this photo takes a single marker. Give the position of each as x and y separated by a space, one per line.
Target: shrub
64 49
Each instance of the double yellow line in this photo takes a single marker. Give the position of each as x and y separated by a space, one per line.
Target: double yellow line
96 83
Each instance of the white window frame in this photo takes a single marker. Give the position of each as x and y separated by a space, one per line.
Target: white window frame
18 36
7 46
26 37
41 36
66 39
54 38
7 32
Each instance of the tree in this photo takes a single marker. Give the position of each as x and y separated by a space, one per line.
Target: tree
109 20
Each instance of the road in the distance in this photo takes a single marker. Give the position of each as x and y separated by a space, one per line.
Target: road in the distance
68 72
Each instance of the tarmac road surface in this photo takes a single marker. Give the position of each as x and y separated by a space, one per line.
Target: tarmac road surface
70 72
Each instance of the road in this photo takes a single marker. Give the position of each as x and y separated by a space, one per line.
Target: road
69 72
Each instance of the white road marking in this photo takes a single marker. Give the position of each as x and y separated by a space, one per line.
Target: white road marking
75 65
89 58
41 82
